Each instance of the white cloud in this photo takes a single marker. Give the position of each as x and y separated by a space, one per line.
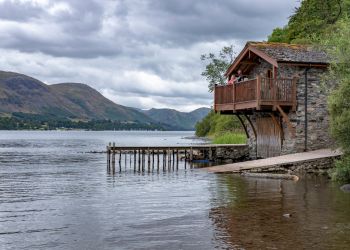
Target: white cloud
142 55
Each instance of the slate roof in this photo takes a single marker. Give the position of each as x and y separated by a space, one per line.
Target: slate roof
283 52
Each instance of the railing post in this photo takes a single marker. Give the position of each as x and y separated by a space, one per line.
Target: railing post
234 96
215 98
274 92
258 92
294 93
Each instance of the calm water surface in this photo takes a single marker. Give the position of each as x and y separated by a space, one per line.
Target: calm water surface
56 194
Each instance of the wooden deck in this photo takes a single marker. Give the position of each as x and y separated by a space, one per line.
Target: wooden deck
274 161
259 94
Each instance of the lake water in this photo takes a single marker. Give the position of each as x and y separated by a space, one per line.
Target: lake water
56 194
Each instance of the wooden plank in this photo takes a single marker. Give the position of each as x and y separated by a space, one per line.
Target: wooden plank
277 124
229 106
294 94
258 92
287 121
268 139
245 105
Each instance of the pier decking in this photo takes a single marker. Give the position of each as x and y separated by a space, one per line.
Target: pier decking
271 162
149 158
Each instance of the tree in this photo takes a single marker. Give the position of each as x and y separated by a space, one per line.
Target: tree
338 46
217 66
311 20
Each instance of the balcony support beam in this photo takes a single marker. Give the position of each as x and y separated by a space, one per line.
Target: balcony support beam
251 124
243 125
287 121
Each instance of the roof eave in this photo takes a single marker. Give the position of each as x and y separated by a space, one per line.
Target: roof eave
314 64
245 50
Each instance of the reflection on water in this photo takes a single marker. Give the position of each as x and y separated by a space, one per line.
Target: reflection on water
55 195
274 214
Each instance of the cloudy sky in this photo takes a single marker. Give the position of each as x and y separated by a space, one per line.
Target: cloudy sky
139 53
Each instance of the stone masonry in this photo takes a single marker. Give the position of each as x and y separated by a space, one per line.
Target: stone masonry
318 118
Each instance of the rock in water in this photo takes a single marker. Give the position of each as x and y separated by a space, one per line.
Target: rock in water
345 188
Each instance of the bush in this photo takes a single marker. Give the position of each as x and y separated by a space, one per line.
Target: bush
230 138
342 171
214 124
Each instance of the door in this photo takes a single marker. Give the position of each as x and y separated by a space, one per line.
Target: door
269 141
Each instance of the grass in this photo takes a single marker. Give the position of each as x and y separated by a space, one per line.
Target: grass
230 138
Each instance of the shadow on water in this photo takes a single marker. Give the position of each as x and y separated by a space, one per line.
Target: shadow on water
273 214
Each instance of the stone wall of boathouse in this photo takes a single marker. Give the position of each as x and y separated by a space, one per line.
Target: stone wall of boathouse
318 116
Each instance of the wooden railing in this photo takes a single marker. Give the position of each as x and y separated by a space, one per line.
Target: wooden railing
245 91
224 94
263 91
276 89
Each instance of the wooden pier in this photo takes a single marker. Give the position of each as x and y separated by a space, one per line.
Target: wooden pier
151 158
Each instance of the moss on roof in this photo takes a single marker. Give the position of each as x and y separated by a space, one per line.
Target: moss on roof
284 52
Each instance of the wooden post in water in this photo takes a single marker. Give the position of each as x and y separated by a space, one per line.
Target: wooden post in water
177 158
191 154
158 160
169 158
125 155
164 159
134 160
113 160
108 158
143 160
149 159
139 167
129 153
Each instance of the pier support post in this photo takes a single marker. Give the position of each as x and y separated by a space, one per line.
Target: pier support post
113 160
108 158
191 154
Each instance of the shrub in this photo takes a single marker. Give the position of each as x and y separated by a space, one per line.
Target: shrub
342 171
230 138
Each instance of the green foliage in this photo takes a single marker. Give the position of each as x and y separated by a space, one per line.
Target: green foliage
217 124
217 66
223 129
338 46
203 126
311 20
21 121
230 138
279 35
342 171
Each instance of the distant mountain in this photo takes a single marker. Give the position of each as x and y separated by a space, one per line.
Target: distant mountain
181 120
24 97
21 93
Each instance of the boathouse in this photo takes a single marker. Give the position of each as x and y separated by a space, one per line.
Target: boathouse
281 102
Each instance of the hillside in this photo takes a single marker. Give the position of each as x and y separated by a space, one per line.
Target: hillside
26 98
21 93
81 99
182 120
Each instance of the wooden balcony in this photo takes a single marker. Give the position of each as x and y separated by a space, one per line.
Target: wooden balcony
256 94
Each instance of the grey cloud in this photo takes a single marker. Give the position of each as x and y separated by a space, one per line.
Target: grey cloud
18 11
98 41
179 23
